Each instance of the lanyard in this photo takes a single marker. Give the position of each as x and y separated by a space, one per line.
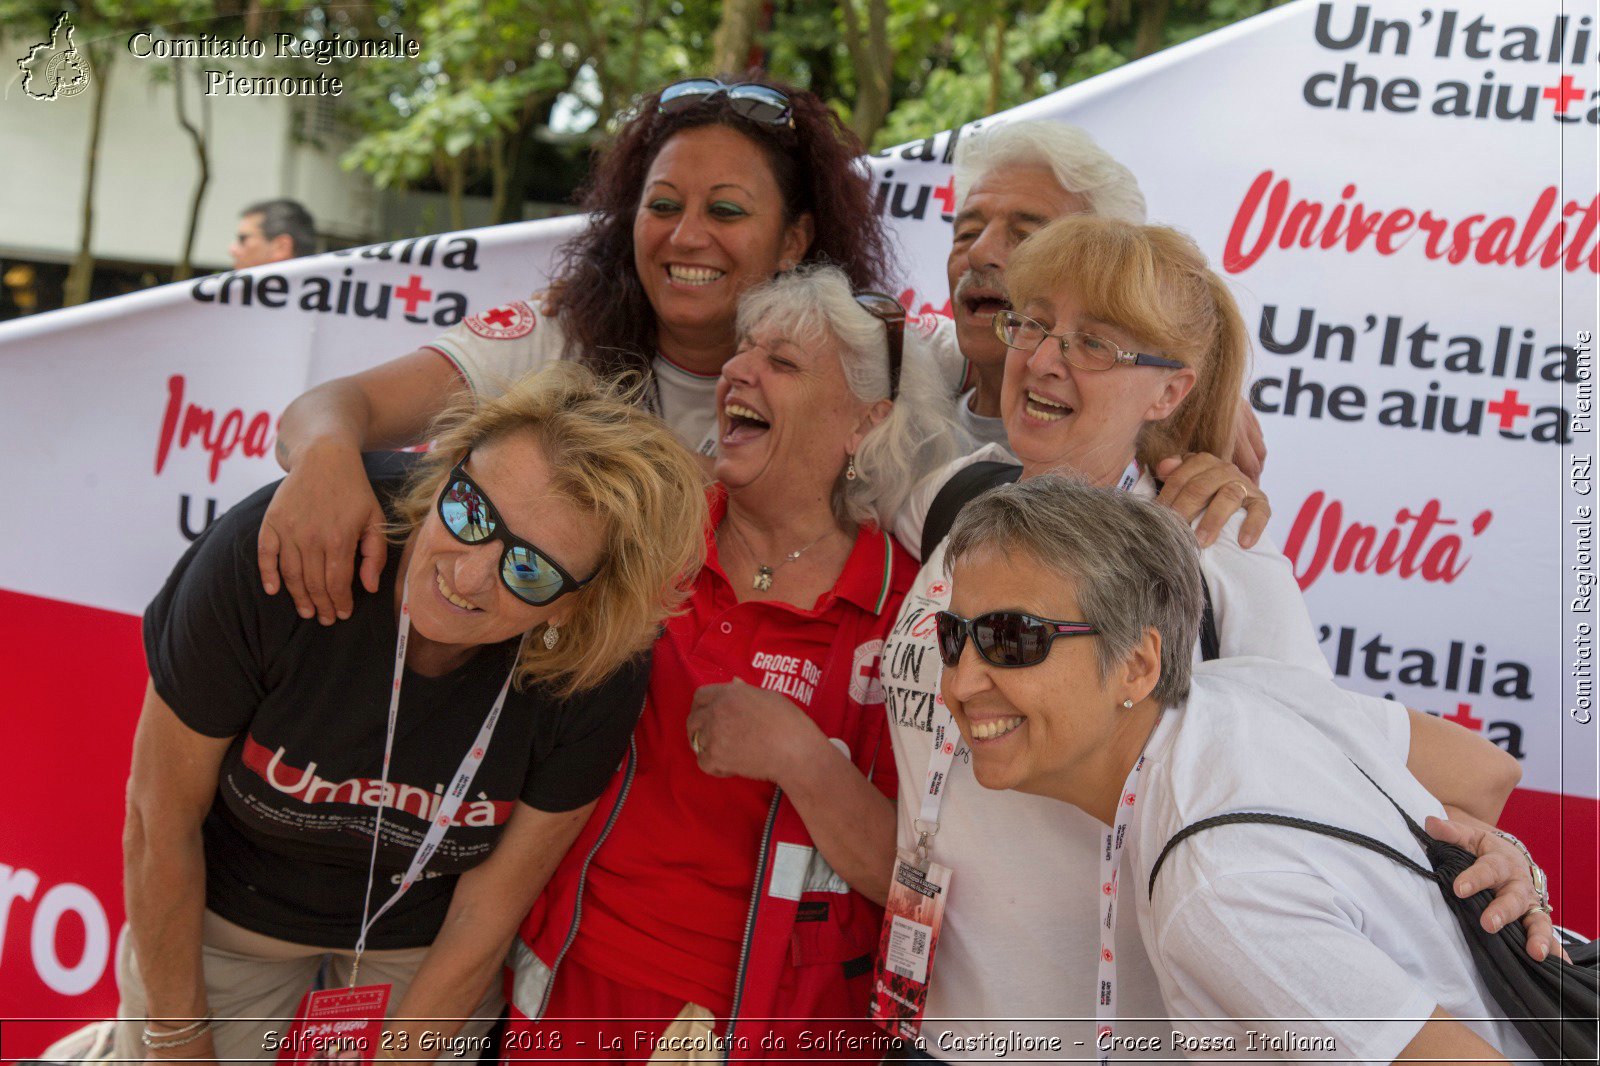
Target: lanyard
1110 863
449 804
946 737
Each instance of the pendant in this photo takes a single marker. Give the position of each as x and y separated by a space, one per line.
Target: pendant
763 581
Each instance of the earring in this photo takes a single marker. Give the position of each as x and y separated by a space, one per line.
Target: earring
850 469
552 633
1127 705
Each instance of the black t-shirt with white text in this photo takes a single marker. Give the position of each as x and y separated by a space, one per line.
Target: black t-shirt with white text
289 837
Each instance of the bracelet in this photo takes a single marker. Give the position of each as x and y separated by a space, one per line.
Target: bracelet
1541 884
174 1038
196 1024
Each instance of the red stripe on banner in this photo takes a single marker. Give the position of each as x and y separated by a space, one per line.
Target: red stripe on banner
71 687
1563 833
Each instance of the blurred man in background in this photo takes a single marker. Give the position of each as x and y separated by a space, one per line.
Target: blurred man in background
272 231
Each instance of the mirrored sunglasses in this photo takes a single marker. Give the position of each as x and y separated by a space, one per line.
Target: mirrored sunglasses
752 100
531 575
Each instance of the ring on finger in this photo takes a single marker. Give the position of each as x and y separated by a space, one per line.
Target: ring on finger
694 742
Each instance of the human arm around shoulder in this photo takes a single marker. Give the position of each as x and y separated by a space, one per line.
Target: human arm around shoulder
170 789
1473 778
489 903
1470 777
1461 768
325 510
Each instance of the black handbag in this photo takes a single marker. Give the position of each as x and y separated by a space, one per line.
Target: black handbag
1553 1004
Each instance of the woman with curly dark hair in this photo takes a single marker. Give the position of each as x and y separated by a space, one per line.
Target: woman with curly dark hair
709 189
616 311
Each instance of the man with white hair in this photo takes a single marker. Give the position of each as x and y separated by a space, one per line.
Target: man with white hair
1010 179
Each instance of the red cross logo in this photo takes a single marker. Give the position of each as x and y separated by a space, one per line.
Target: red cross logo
1509 408
1563 93
946 194
413 294
864 685
503 323
1463 717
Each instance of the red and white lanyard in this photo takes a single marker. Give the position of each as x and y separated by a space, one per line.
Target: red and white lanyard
449 803
1105 1011
946 737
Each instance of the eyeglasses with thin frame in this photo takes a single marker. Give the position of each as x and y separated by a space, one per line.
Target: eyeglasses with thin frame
887 310
527 572
1086 351
1004 638
752 100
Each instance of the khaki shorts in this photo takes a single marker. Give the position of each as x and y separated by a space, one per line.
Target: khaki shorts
254 983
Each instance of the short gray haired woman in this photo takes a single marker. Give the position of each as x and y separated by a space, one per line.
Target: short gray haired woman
1068 651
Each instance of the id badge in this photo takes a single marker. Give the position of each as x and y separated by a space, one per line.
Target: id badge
340 1025
904 966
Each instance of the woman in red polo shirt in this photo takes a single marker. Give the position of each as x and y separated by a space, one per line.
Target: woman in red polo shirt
697 895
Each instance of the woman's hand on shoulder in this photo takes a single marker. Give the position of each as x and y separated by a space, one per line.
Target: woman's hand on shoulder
738 730
321 515
1199 484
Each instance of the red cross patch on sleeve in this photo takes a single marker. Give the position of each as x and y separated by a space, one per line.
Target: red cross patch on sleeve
504 323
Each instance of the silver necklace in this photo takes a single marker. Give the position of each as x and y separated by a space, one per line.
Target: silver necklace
762 582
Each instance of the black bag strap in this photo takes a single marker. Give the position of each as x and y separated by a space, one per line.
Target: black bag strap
1553 1004
1294 823
966 485
1210 643
1309 826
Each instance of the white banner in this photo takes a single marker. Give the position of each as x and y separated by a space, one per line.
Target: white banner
1404 197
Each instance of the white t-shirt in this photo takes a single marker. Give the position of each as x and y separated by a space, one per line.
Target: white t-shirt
1019 934
500 346
1270 922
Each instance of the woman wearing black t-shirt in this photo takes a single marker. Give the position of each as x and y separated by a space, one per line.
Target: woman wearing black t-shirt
542 543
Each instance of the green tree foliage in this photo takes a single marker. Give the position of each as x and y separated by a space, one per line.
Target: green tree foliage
467 110
491 70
